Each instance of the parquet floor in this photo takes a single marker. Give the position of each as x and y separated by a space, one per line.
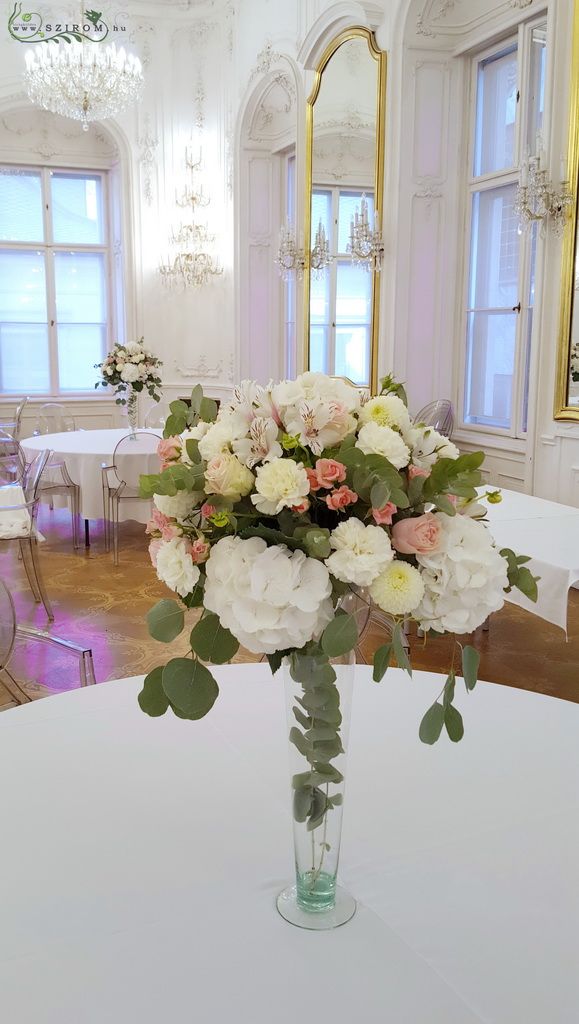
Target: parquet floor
105 606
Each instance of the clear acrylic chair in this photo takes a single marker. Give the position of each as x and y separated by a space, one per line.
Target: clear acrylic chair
10 632
18 514
157 416
14 426
134 455
53 419
12 460
439 415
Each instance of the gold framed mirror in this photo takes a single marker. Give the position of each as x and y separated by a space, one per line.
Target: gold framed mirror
567 375
345 126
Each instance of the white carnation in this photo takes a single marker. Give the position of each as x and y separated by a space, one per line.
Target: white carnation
360 552
130 373
282 483
376 440
177 506
271 599
464 580
175 567
428 446
399 589
193 434
220 435
386 411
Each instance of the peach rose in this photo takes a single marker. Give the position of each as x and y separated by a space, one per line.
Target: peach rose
302 507
329 472
417 471
313 479
169 450
383 516
419 536
341 498
200 551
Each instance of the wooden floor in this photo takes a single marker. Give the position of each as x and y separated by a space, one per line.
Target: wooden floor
105 606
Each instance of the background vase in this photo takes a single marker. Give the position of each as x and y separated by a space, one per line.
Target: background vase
318 695
132 409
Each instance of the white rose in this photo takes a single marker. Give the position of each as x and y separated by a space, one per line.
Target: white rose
282 483
129 373
360 552
386 411
428 446
227 476
376 440
271 599
464 579
177 506
175 566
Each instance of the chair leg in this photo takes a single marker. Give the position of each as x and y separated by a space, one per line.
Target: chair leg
74 508
107 517
38 577
87 669
26 557
14 688
116 530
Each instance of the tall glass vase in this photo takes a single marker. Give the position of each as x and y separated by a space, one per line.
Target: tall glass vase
132 409
318 694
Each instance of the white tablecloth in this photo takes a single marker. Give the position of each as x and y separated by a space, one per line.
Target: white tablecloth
549 533
85 452
141 858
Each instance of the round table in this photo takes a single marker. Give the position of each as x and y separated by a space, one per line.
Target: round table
141 858
85 452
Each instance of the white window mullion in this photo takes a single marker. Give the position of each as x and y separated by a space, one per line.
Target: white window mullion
50 283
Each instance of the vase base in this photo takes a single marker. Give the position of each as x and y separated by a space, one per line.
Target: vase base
316 920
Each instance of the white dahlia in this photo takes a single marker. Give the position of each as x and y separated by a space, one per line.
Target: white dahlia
282 483
177 506
271 599
464 580
175 566
360 552
376 440
399 589
386 411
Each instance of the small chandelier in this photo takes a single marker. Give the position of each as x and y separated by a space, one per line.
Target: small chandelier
320 254
83 81
365 245
536 198
289 258
192 265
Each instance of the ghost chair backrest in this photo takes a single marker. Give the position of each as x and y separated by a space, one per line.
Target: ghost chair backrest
7 624
439 415
134 456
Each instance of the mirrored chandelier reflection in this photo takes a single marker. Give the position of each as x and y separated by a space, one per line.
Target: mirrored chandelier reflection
537 199
320 257
290 259
365 244
190 265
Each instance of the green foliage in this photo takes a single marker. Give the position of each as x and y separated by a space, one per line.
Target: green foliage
381 662
454 476
165 620
190 687
399 649
519 576
390 386
453 723
270 535
470 664
152 698
211 641
195 598
192 449
314 540
431 724
340 635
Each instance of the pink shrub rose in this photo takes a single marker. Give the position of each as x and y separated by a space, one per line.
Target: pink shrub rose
154 547
302 507
200 551
169 450
383 516
417 471
208 510
329 472
158 521
341 498
419 536
313 479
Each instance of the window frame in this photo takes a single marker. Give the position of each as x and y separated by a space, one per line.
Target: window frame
516 435
49 247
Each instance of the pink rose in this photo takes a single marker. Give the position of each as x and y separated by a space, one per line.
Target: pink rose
313 478
169 450
302 507
158 522
329 472
341 497
383 516
208 510
154 550
170 530
417 471
418 536
199 551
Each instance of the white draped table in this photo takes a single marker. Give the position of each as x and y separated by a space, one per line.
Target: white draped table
140 860
85 452
549 533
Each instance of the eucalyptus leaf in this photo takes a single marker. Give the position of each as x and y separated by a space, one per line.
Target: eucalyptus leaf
453 723
208 410
298 739
304 720
340 635
470 664
174 425
302 803
381 662
399 650
196 398
190 687
152 698
165 620
431 724
192 448
448 695
212 642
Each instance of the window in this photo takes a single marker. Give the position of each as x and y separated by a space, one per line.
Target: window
507 126
341 296
54 280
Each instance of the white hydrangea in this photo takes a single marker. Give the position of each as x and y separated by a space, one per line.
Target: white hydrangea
386 411
271 599
464 580
282 483
360 552
129 373
175 567
428 446
177 506
315 387
376 440
399 589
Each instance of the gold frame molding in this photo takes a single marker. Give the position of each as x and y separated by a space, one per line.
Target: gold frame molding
562 409
356 32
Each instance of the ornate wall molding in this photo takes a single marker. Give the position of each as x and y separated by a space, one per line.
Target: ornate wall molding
201 369
265 60
147 146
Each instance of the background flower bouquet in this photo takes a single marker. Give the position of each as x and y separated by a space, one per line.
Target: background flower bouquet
129 369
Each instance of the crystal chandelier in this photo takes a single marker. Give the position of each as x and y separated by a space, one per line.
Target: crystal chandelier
365 245
83 81
536 198
320 254
191 265
289 258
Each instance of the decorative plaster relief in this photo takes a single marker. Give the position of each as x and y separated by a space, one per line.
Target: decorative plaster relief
201 369
266 58
148 145
271 117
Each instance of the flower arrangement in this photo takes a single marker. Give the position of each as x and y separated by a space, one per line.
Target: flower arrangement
130 368
574 362
268 511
